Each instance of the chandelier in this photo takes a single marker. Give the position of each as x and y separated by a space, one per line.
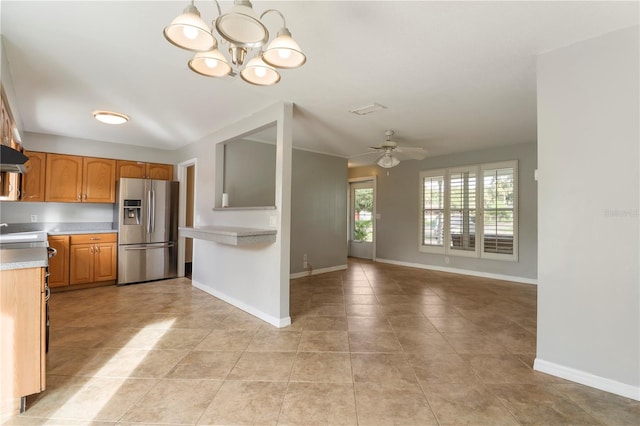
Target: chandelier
243 30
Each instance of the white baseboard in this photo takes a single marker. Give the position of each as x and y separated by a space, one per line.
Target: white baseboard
318 271
501 277
276 322
587 379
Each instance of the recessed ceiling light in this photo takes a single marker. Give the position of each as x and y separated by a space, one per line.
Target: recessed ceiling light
368 109
110 117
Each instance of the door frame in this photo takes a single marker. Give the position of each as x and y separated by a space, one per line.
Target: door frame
182 210
374 180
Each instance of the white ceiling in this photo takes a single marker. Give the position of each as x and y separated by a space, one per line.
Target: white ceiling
455 76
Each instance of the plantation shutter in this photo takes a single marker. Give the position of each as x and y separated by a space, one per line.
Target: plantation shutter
462 210
433 211
499 210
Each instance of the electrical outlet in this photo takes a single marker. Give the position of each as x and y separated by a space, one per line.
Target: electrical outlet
34 218
304 261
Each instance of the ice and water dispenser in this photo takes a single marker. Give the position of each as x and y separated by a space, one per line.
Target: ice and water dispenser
132 212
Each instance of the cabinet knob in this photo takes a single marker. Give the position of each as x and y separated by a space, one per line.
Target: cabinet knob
79 197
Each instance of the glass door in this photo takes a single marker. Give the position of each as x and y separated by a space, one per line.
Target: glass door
362 219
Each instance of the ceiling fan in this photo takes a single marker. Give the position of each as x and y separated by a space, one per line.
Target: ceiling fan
389 154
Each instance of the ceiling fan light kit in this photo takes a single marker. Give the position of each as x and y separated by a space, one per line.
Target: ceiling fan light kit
387 161
242 29
387 153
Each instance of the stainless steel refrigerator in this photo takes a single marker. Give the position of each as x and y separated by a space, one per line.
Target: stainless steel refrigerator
147 221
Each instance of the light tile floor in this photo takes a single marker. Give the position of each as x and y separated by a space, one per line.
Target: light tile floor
373 345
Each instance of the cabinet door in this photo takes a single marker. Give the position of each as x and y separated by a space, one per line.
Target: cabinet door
64 178
160 171
59 264
34 177
131 169
7 121
99 180
105 257
10 186
81 264
22 350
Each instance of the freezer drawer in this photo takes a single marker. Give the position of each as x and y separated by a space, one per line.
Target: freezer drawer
147 262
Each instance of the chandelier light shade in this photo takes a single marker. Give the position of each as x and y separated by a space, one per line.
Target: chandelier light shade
284 52
188 31
241 26
388 161
259 73
241 30
210 64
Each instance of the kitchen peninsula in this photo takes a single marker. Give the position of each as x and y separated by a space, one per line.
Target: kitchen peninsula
23 293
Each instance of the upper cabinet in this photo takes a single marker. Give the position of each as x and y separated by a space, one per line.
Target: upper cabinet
160 171
71 178
34 178
98 180
9 182
140 170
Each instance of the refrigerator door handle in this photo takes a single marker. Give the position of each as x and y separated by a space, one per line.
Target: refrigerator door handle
148 224
148 247
153 210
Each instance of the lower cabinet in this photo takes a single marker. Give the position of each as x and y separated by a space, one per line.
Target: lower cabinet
22 332
83 259
93 258
59 264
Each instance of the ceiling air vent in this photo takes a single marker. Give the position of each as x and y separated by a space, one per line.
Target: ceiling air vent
368 109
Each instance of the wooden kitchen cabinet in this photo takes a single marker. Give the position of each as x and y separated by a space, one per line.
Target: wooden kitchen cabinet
59 264
33 179
98 180
22 338
93 258
131 169
159 171
72 178
141 170
64 178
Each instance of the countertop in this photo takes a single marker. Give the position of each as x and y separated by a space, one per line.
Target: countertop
23 256
231 235
79 232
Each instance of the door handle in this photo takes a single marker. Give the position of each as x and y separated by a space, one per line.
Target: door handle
153 210
169 245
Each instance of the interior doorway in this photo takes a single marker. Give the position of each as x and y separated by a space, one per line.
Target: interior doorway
362 223
186 215
188 242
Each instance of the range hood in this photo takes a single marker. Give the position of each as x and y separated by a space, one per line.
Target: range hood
12 160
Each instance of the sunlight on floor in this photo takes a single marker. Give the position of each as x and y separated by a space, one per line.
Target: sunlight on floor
93 406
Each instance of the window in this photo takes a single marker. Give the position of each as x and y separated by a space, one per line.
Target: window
462 210
499 209
433 208
470 211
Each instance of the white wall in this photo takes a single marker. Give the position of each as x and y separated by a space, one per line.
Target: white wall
588 160
254 278
398 228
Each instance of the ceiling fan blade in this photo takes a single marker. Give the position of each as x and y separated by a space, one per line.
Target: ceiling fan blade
364 153
412 153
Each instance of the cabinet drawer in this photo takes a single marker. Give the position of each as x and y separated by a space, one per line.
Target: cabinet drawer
94 238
